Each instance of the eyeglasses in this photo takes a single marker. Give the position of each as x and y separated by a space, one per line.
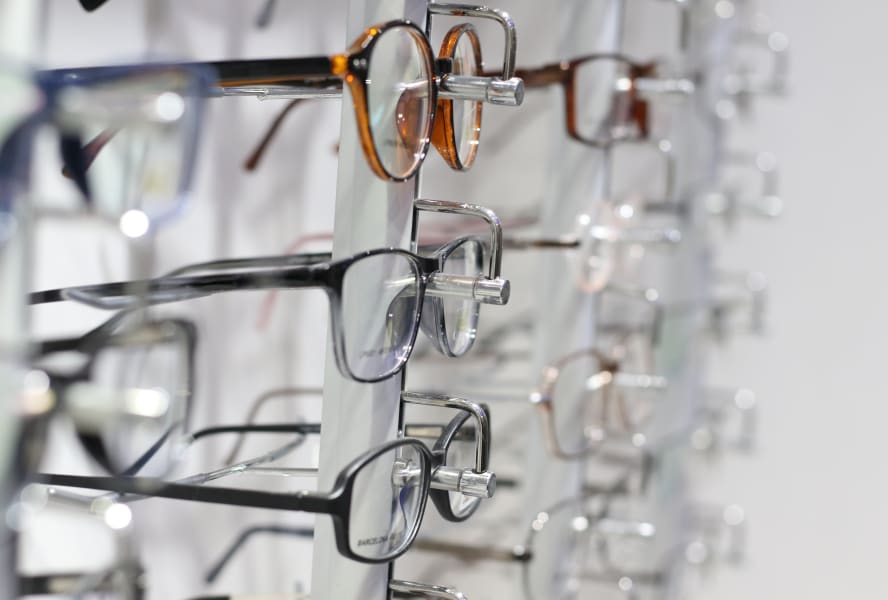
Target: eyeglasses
376 297
604 248
124 581
450 322
456 491
130 387
376 504
393 77
582 528
596 377
142 122
605 95
456 127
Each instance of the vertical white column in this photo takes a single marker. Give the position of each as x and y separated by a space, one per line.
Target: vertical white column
370 213
565 315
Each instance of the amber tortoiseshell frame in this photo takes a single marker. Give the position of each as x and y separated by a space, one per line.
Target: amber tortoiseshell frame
443 132
564 74
352 68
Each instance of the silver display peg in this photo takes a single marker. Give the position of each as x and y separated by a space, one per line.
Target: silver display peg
370 213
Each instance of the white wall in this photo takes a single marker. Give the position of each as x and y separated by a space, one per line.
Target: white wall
816 491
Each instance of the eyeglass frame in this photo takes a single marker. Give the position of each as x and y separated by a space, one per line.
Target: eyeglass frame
310 270
91 344
564 74
59 108
336 503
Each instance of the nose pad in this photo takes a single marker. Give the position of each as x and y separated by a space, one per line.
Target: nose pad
406 473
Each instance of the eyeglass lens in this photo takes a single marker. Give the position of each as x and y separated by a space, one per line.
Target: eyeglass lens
379 308
387 502
399 92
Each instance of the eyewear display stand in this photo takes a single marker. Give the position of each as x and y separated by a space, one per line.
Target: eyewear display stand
565 313
370 213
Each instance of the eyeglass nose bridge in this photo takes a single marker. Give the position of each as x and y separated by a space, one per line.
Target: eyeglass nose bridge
482 421
484 12
495 263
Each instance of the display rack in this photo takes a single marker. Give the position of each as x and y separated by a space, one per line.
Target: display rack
578 185
370 213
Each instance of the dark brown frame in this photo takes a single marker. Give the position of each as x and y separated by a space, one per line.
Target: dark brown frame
564 74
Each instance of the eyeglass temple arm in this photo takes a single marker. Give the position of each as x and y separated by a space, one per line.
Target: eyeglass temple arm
216 569
566 242
544 76
55 584
399 589
253 159
410 430
259 402
157 488
285 260
263 18
471 553
314 71
133 294
251 465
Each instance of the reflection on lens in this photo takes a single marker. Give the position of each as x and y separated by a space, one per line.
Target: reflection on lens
461 315
466 114
399 92
387 502
602 100
379 313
